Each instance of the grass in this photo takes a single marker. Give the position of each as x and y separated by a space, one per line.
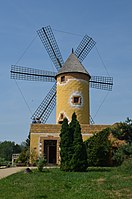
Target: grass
97 183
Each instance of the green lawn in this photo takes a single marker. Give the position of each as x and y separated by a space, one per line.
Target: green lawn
97 183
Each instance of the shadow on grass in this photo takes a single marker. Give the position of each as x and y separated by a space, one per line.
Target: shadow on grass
99 169
41 196
44 171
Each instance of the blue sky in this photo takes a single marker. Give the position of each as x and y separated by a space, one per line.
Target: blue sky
109 23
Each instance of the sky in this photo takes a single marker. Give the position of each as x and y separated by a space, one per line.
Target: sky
109 23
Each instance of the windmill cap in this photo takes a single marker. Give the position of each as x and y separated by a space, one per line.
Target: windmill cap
72 65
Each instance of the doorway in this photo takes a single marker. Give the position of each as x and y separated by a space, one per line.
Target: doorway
50 151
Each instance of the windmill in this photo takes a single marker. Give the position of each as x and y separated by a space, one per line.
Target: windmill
44 110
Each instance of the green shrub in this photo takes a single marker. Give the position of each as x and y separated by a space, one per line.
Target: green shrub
123 131
3 162
122 153
41 163
98 149
126 167
24 156
118 157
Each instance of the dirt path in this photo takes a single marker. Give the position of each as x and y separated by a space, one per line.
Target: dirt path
8 171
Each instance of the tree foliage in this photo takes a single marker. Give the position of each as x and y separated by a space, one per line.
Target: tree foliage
73 152
24 156
7 148
98 148
65 145
79 157
25 153
28 141
123 131
72 127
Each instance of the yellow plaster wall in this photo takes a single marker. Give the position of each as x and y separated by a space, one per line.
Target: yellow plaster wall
41 132
75 83
34 145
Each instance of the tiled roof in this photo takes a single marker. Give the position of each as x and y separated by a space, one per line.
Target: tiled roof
72 65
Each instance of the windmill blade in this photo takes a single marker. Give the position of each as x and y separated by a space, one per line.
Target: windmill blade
45 108
30 74
84 47
101 82
47 37
48 111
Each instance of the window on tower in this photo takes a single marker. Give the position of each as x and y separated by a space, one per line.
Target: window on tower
62 78
61 118
76 100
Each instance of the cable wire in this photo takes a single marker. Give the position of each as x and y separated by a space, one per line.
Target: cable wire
75 34
29 45
23 97
26 49
102 61
101 105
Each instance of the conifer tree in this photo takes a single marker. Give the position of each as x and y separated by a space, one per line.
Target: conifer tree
79 157
72 126
64 146
73 151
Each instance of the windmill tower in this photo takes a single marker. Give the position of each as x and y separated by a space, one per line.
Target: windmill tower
70 93
72 80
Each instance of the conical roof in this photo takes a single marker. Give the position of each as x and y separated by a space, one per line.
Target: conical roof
72 65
